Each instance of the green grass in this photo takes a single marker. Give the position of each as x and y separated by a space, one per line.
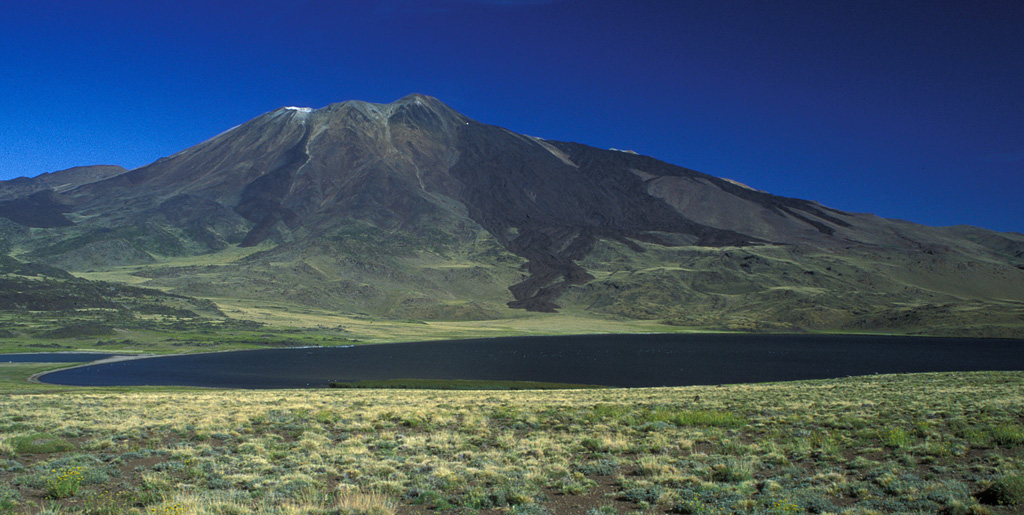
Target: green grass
168 341
459 384
639 415
14 376
895 437
1007 435
39 443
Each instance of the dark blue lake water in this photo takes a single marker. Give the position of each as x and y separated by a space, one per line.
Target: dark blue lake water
612 360
52 357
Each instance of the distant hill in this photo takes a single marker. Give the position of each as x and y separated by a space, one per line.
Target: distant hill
411 210
33 201
59 181
31 293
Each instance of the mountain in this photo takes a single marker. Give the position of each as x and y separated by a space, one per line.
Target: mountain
32 201
59 181
411 210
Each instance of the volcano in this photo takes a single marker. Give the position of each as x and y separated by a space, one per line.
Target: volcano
412 210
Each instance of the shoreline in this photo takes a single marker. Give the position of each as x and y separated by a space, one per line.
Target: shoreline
34 378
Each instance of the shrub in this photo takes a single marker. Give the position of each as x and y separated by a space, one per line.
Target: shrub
39 443
169 508
689 505
604 467
296 486
114 502
652 466
784 507
517 493
8 499
64 483
896 437
1008 435
575 484
733 471
1006 490
959 508
79 330
476 498
352 502
604 443
529 509
643 494
325 417
435 499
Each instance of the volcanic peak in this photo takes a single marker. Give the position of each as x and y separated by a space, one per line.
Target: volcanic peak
376 195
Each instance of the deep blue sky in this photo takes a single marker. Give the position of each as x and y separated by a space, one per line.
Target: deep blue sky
907 109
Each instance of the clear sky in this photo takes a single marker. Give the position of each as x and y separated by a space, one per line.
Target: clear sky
907 109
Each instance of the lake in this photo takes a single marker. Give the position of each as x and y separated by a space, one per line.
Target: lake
632 360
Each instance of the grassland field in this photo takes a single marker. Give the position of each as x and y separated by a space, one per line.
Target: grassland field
286 325
919 443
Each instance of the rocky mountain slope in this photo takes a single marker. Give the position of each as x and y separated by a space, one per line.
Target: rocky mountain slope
33 201
412 210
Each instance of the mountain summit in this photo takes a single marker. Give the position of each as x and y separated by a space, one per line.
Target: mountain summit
413 210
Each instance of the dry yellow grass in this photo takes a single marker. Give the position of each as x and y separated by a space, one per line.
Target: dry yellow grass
815 445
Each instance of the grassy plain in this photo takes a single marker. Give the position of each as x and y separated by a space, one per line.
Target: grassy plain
287 325
925 443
